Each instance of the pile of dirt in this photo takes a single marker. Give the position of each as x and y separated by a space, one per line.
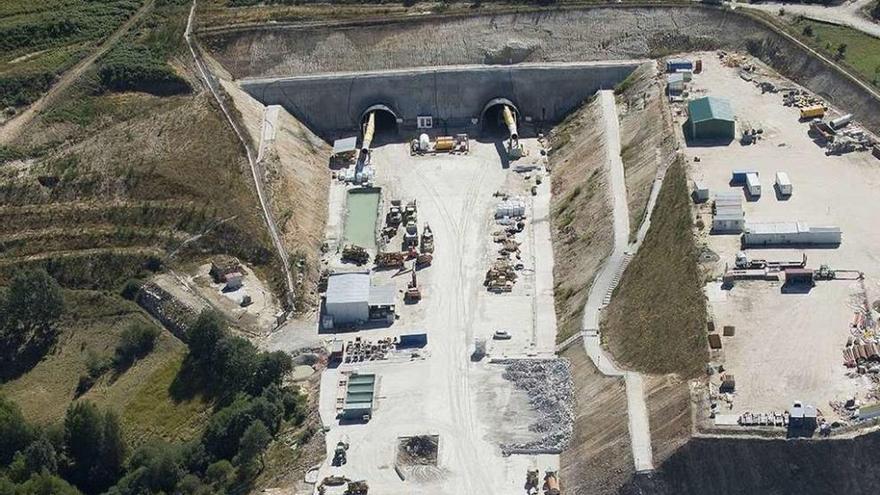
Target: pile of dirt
420 450
580 224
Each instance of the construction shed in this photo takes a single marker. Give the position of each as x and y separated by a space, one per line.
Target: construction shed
675 83
352 300
710 118
359 392
728 215
785 233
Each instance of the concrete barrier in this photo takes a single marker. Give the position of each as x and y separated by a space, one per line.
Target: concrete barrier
455 97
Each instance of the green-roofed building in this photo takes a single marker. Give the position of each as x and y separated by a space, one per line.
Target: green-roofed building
359 397
710 118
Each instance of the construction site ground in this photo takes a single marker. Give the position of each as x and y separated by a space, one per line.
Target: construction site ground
442 391
787 345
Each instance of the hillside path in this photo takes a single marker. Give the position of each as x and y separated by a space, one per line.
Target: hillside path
13 127
607 280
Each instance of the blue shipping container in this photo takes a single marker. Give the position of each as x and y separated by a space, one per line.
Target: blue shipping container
676 64
413 340
739 176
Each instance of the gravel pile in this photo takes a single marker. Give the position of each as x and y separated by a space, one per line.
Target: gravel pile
549 386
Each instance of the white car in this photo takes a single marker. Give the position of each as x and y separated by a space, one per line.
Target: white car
502 335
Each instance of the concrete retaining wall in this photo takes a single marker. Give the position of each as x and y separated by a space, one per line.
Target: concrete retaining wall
455 97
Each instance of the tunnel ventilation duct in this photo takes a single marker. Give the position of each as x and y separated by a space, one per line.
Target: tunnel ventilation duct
369 130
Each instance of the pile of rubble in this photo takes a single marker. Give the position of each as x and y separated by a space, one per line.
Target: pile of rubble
550 389
360 350
161 305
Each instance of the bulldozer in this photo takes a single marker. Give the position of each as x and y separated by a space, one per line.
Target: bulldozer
355 254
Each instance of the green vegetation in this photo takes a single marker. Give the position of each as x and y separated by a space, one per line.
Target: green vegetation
29 311
851 48
39 39
91 449
656 320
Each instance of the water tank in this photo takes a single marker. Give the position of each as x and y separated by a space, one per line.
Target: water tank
424 142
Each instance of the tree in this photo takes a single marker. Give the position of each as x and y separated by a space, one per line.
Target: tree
34 301
808 30
254 441
40 456
15 433
271 368
235 360
136 341
204 334
94 446
47 484
841 51
28 312
220 474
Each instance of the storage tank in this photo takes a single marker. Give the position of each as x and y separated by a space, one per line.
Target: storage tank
424 142
444 143
753 184
841 122
815 111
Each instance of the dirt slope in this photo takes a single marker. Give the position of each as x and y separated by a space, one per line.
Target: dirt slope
580 213
647 141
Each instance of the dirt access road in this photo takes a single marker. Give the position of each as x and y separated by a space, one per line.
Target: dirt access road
12 128
846 14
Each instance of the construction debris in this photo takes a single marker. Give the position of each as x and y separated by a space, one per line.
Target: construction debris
418 450
549 386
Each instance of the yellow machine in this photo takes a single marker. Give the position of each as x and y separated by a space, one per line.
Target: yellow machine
514 149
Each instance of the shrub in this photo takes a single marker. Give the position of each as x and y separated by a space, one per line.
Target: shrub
131 67
136 341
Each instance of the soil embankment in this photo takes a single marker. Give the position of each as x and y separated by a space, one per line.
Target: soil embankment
647 139
601 33
599 459
579 211
294 167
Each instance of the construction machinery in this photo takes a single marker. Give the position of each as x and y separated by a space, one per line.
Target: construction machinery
743 262
390 260
443 144
424 259
410 236
409 212
514 148
395 214
500 277
532 481
413 292
339 455
551 483
357 488
427 243
355 254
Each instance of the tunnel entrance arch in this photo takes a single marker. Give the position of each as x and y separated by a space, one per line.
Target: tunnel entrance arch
386 119
491 119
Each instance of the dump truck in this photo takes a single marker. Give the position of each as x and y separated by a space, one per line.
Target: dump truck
551 483
427 242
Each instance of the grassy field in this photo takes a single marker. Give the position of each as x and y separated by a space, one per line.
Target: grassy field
656 320
90 330
39 39
862 52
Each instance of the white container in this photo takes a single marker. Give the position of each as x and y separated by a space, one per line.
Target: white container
424 142
783 184
841 122
753 184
